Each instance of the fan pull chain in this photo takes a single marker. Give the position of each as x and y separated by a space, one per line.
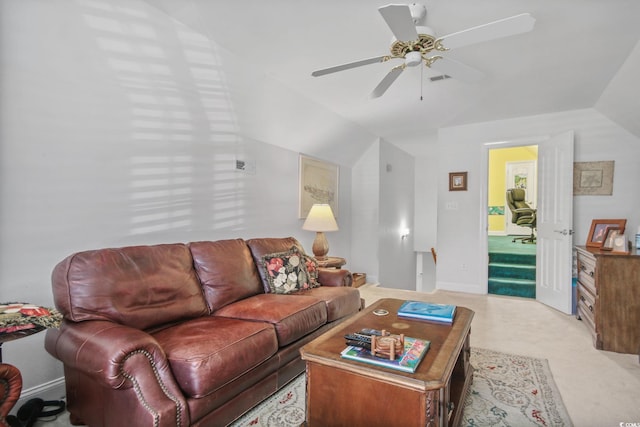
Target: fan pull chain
421 82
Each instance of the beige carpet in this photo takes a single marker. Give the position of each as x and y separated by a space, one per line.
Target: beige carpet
598 388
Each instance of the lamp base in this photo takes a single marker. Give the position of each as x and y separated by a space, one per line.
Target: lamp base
320 246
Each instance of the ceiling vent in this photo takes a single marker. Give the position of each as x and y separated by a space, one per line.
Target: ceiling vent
438 78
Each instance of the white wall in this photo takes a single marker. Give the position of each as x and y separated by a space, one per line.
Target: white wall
426 213
383 205
120 126
461 260
620 100
396 207
365 213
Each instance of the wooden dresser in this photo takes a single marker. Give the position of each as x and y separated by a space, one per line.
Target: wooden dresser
609 298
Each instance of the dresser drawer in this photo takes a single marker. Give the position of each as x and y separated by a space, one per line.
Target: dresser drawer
586 273
588 303
588 313
583 313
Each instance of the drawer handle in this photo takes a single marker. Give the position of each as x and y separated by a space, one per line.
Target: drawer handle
591 308
582 298
583 268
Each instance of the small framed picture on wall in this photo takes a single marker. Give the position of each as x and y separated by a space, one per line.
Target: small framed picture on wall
457 181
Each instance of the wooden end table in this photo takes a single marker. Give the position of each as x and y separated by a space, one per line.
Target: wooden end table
345 392
331 262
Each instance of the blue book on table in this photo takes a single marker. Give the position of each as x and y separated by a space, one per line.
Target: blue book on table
427 311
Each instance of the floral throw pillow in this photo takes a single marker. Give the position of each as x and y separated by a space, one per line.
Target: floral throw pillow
286 271
312 269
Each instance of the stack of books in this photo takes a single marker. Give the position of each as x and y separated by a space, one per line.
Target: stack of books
443 313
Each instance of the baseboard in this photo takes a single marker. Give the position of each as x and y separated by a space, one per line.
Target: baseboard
470 288
52 390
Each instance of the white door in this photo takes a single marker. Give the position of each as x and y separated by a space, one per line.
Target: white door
555 222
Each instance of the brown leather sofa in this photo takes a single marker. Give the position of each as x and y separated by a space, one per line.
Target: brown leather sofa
184 334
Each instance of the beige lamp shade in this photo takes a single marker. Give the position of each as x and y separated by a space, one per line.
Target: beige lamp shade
320 219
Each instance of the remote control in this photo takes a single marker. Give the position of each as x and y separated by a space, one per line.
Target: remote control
358 337
368 331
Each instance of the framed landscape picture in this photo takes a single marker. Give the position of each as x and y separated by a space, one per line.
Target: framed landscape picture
318 184
593 178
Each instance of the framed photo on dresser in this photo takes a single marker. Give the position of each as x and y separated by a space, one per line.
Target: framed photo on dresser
597 233
609 235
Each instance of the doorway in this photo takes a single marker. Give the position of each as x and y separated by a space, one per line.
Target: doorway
512 264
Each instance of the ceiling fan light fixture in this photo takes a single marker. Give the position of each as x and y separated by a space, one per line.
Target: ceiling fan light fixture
412 59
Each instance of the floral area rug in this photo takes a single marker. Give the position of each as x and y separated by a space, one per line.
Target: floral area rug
507 390
511 390
286 408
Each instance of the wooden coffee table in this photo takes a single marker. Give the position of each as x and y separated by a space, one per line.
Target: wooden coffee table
342 392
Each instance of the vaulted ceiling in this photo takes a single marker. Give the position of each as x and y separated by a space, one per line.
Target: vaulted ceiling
573 56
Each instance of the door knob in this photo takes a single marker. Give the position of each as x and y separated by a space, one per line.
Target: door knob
564 232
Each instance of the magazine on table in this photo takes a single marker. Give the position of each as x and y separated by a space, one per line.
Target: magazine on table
408 361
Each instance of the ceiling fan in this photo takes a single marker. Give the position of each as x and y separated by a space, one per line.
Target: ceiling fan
416 43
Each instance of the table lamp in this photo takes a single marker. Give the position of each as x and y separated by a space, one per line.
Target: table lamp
320 219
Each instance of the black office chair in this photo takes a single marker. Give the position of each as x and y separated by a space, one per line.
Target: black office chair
521 213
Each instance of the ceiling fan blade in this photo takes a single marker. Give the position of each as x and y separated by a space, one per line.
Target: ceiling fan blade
493 30
387 81
350 65
457 70
398 18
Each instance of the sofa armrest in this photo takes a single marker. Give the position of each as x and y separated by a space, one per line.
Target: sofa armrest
334 277
120 357
10 388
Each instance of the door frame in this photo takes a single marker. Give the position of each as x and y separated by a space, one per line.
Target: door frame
484 190
484 229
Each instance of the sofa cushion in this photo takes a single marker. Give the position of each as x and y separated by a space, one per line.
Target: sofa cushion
312 269
340 301
226 271
286 271
263 246
293 317
208 352
137 286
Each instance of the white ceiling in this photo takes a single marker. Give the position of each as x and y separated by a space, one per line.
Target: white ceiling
574 51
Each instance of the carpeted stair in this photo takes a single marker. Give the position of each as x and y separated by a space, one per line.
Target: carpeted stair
512 274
